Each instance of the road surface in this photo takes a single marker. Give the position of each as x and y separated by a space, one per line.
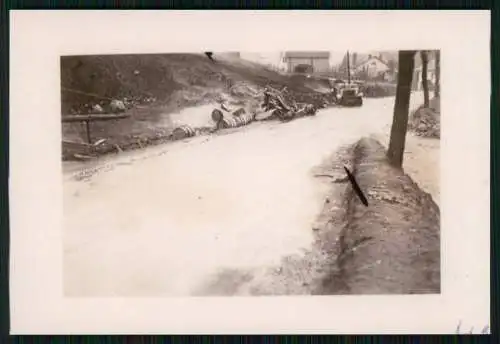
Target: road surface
159 222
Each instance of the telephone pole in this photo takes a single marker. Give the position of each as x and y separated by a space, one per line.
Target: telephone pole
348 68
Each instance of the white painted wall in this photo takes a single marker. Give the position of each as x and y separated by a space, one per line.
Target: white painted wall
319 65
373 67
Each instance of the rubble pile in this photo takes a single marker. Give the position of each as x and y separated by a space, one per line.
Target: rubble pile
150 87
243 89
117 106
183 132
111 106
235 122
426 122
318 100
284 106
270 104
235 119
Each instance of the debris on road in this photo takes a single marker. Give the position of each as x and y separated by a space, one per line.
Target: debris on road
426 122
98 142
132 85
239 112
245 119
264 116
183 132
82 157
237 118
234 122
117 106
217 115
226 123
285 108
97 109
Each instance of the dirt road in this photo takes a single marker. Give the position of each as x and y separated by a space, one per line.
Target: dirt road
160 221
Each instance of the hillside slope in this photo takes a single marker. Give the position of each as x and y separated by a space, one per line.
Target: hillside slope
160 89
98 79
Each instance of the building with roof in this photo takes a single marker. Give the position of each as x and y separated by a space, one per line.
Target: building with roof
370 65
307 61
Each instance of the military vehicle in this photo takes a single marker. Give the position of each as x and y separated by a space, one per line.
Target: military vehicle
348 94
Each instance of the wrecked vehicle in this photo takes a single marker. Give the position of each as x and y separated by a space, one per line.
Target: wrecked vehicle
348 94
285 108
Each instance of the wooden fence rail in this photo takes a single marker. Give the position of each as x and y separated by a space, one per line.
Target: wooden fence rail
90 118
93 117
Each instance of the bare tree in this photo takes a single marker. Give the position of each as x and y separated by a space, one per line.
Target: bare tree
425 85
437 88
401 108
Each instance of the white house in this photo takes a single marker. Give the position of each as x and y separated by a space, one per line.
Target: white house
313 61
372 67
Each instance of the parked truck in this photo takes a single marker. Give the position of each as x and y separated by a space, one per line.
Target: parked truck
348 93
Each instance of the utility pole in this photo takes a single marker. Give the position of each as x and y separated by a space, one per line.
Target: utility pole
348 68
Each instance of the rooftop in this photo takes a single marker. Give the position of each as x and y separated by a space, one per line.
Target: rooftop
357 59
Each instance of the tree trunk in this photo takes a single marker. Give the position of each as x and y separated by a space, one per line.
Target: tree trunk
437 90
401 108
425 85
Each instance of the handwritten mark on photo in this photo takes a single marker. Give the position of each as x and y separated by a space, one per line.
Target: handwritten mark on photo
484 330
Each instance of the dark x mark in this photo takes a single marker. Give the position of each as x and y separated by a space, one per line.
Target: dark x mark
356 187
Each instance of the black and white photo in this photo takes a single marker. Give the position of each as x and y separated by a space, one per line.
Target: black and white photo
202 174
250 172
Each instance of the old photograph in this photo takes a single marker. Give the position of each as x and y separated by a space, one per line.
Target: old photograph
251 173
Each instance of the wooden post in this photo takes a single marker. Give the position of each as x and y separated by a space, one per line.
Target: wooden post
87 125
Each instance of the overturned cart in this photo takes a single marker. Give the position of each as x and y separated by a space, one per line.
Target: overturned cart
283 108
